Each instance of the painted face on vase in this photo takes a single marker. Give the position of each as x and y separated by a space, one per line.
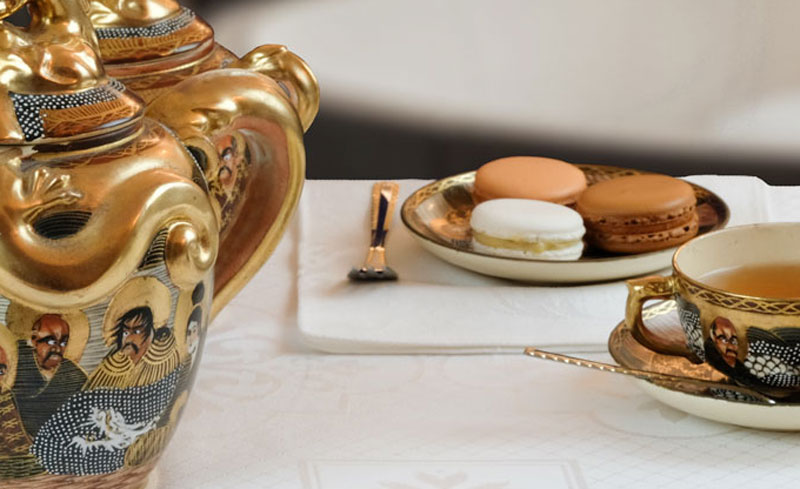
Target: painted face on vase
49 339
228 185
193 331
3 366
725 340
231 157
135 332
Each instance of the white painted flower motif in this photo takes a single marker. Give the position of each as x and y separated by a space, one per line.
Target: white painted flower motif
458 480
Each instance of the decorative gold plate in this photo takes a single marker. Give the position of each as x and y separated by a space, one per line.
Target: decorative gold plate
438 217
714 404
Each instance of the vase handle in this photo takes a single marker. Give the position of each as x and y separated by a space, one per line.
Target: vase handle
291 73
248 141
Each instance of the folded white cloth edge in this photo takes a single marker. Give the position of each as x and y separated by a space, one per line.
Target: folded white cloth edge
438 308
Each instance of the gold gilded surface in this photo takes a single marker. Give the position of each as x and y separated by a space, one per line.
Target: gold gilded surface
629 352
641 290
206 115
289 70
111 228
737 302
8 7
252 151
112 223
51 75
149 80
10 130
142 31
194 40
190 254
133 190
125 13
57 53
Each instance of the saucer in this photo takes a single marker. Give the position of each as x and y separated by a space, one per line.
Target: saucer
438 217
716 405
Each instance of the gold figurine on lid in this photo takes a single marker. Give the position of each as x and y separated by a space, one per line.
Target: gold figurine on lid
146 174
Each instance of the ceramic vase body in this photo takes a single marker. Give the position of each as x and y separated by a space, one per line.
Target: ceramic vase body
252 156
103 319
126 227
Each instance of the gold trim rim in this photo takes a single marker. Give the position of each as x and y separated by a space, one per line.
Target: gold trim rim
683 276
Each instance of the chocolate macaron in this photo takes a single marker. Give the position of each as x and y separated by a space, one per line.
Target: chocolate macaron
529 177
639 213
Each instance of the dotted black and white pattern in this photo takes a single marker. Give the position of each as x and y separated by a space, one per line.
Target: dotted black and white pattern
162 28
730 395
770 368
774 356
28 107
689 315
58 445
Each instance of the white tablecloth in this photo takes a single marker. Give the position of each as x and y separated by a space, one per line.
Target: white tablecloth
267 412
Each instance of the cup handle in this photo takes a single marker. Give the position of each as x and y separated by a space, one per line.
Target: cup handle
641 290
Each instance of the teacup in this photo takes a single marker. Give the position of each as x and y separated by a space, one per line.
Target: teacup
755 341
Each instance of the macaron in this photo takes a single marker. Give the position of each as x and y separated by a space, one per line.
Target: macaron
524 228
639 213
529 177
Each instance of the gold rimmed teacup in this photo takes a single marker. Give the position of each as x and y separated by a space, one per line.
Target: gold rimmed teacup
755 341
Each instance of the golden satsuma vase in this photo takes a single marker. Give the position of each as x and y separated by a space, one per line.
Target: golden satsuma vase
146 175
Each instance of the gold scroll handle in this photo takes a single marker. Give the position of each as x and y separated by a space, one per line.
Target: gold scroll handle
210 107
291 73
641 290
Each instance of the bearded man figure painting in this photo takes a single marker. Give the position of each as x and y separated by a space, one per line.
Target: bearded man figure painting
128 393
15 459
45 377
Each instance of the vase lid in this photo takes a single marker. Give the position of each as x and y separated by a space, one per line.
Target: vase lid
148 30
54 88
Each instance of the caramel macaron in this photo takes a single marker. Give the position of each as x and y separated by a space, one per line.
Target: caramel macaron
639 213
529 177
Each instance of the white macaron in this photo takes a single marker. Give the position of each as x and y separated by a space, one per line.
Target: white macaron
525 228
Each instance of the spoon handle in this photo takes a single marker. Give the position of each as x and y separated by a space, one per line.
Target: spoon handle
384 198
665 380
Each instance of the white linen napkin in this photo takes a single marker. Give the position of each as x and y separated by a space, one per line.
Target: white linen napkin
436 307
